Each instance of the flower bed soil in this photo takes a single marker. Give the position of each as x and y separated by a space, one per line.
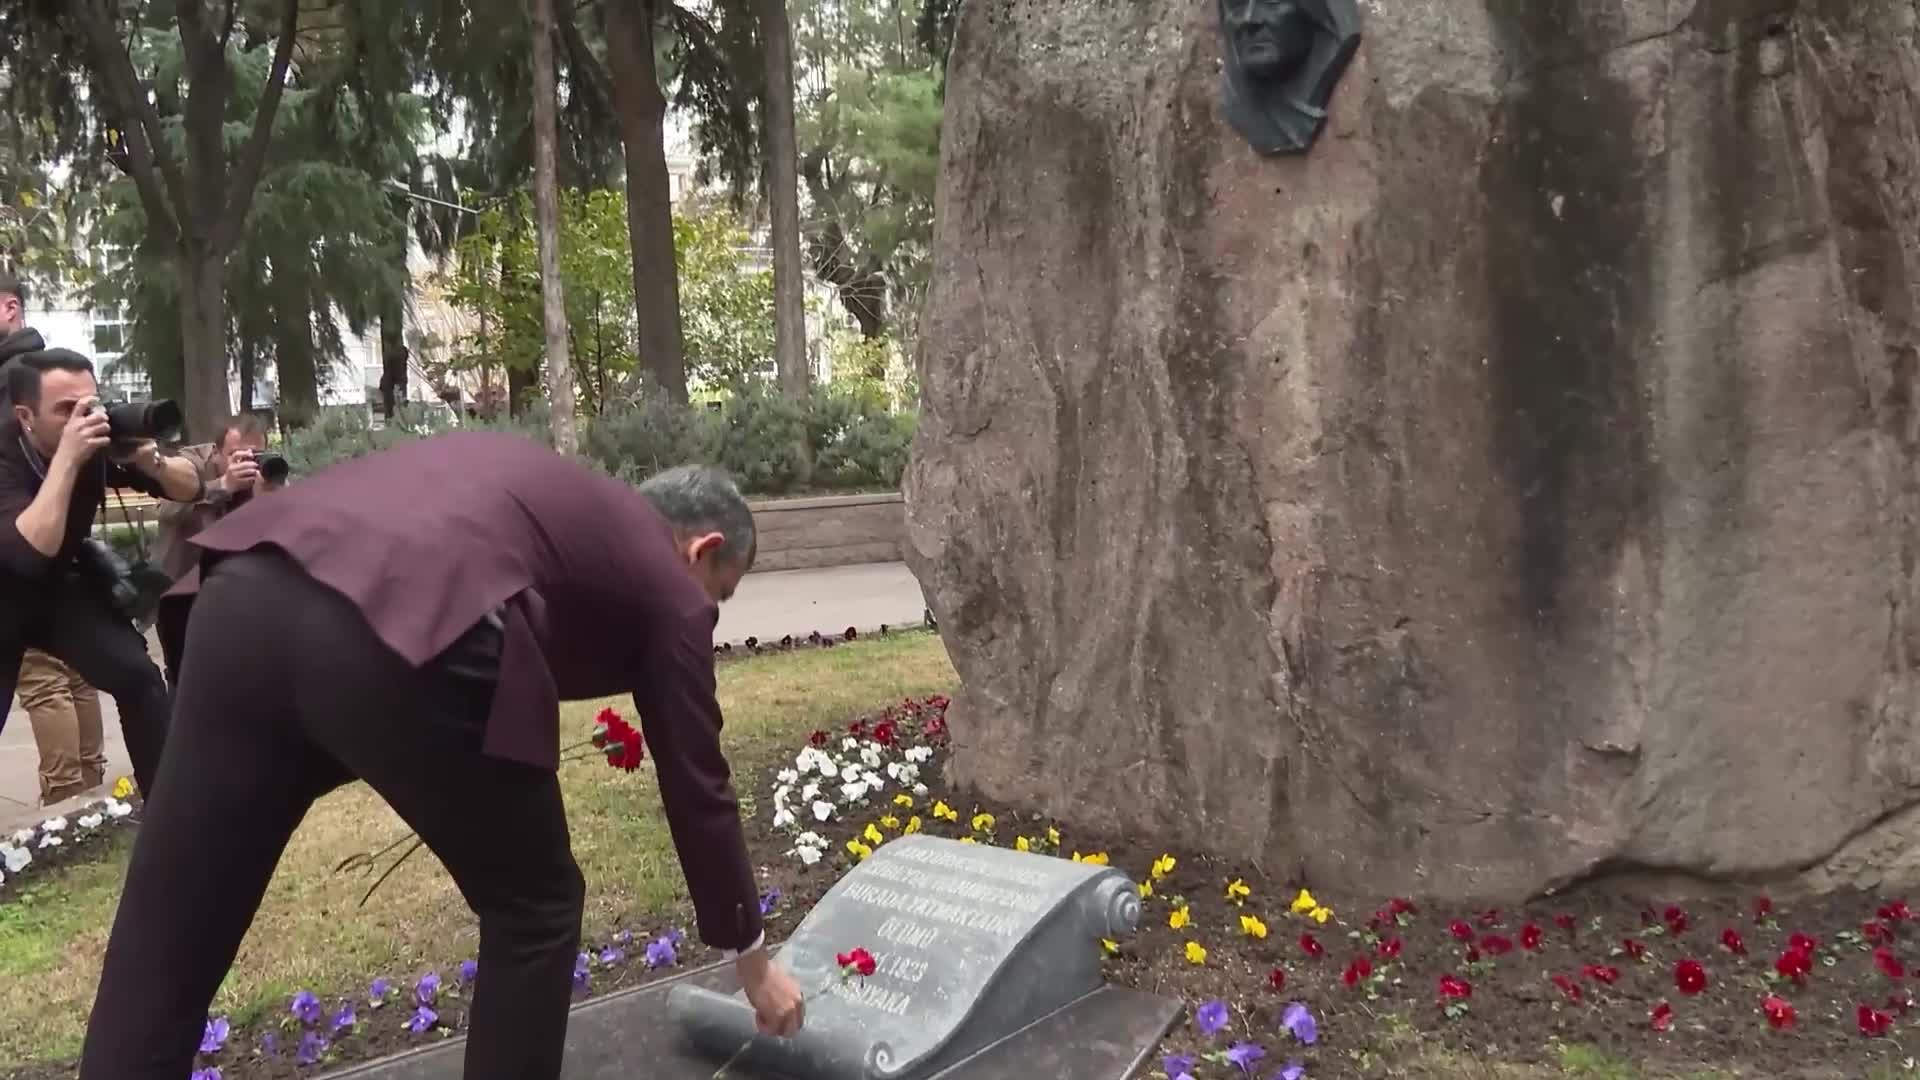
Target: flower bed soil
1370 1024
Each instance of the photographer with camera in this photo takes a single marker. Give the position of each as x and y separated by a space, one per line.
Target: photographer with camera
234 470
68 594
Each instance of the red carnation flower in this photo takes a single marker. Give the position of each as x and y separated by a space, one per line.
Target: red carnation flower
1388 949
1399 906
1676 919
1634 949
1876 931
1564 921
1762 908
859 961
1472 955
1690 976
1530 937
1311 947
1567 986
1661 1018
935 728
1605 973
1453 986
1895 911
857 728
1873 1023
1277 979
1730 940
1779 1010
1794 964
1889 964
625 748
818 738
884 733
1800 942
1495 945
1359 969
1460 930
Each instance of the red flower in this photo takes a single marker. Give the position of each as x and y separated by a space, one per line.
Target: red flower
1472 955
1460 931
1311 947
818 738
1567 986
884 733
1872 1021
1876 931
1762 908
1779 1011
1676 919
1794 964
1730 938
1454 986
1800 942
1564 921
935 728
858 727
1388 949
859 960
1530 937
1605 973
1634 949
1398 906
603 724
1895 911
1661 1018
625 747
1495 945
1277 979
1689 976
1490 917
1889 964
1359 969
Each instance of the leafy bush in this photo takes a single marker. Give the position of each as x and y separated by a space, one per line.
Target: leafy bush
834 441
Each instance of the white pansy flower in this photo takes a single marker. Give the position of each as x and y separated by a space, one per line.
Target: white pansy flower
909 774
781 794
822 810
807 855
91 821
849 743
783 818
811 791
870 755
788 776
18 858
873 781
118 809
811 839
854 792
850 773
24 836
53 824
919 753
920 790
51 840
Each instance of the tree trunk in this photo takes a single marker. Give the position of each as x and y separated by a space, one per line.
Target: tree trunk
394 355
783 184
546 212
656 274
203 338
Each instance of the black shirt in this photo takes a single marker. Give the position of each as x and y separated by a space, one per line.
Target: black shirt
22 566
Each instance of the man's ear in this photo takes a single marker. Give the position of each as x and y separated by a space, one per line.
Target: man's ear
22 414
705 544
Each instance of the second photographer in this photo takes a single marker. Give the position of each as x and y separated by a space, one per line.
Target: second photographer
234 470
59 453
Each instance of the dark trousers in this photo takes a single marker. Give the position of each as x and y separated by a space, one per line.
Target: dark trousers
286 693
77 626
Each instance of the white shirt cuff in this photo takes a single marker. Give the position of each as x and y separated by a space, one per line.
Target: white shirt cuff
758 943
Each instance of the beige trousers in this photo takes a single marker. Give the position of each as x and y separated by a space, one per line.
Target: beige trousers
65 713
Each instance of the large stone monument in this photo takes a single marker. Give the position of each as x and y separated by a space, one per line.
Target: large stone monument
1518 486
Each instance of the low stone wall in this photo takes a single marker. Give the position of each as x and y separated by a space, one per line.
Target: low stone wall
829 530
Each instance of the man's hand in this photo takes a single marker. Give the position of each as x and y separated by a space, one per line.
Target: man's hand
83 436
242 475
778 1006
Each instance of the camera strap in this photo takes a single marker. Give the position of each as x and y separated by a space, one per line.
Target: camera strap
139 528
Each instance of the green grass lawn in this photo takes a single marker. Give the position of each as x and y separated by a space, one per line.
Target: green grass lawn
310 931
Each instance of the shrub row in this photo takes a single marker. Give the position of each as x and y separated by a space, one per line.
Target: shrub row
832 441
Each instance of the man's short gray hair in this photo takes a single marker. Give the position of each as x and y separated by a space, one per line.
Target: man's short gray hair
703 498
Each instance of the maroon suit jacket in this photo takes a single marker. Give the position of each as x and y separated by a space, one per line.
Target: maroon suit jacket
596 599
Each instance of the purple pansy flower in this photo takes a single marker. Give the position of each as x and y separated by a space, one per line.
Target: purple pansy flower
1210 1017
610 956
582 972
1244 1054
345 1018
1177 1064
311 1047
1293 1071
215 1035
307 1007
377 993
623 939
768 900
469 971
1300 1023
206 1074
660 953
427 989
423 1018
270 1045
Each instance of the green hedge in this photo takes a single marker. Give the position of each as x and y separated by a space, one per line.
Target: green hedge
833 441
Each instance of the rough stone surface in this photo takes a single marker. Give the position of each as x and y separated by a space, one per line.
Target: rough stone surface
1520 488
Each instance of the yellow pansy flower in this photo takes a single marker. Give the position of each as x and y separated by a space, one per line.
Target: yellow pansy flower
1098 858
1196 953
1146 890
123 787
1162 866
913 825
1020 844
1252 927
903 800
944 812
1112 946
1179 917
1321 914
874 836
889 822
1304 903
983 823
1053 836
1237 890
859 850
968 840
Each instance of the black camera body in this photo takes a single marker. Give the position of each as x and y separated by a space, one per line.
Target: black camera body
274 467
134 590
135 420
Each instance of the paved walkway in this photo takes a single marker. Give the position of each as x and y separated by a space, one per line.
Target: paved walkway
766 606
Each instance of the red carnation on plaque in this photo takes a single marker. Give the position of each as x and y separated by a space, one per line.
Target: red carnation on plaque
855 962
